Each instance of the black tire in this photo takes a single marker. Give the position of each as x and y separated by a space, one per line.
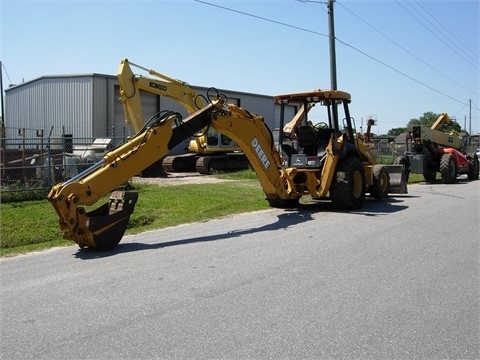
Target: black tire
430 176
473 167
448 169
381 182
347 190
284 203
403 160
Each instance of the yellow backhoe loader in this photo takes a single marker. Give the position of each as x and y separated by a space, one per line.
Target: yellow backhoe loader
330 163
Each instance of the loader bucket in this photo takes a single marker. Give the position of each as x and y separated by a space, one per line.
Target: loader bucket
109 222
398 183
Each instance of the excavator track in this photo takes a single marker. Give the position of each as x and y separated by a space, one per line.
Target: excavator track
180 163
205 164
222 162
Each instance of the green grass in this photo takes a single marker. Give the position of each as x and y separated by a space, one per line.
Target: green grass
163 206
385 159
416 178
33 225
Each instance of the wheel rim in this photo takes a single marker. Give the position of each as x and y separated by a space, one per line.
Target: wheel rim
357 187
452 170
383 182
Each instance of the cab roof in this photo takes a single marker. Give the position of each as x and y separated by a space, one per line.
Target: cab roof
312 96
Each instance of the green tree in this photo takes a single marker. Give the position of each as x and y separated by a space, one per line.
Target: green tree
396 131
428 118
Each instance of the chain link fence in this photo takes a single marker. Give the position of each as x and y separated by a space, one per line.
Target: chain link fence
31 166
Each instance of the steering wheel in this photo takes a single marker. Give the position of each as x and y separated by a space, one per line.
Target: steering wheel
321 126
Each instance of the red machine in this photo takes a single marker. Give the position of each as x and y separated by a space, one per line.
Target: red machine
430 150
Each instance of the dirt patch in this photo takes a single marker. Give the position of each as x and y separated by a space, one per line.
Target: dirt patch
179 179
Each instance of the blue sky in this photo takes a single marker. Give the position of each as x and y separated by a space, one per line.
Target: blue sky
398 59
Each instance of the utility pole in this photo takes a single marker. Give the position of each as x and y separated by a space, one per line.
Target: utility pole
333 59
1 90
2 123
331 36
470 117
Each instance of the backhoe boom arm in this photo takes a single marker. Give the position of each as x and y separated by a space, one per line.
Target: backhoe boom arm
117 167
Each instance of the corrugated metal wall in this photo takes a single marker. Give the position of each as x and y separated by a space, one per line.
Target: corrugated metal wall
65 103
100 114
88 106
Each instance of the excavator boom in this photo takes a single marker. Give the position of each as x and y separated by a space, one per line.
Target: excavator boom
163 85
208 150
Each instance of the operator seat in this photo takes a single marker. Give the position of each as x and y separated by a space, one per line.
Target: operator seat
307 139
323 136
323 139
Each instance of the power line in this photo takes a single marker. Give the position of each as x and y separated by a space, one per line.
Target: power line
262 18
6 72
457 39
406 50
337 39
398 71
433 33
312 1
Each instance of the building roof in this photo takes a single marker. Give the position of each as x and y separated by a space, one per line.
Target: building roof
63 76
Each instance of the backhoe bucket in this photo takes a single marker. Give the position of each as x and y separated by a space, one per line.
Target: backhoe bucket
109 222
398 183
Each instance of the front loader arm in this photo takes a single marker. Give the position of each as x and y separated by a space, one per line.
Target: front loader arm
293 124
104 227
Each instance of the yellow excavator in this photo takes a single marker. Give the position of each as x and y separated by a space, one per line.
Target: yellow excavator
328 163
208 151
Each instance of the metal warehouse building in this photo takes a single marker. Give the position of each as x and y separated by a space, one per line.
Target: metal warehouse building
88 106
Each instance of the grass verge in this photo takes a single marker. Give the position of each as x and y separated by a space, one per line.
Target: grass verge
33 225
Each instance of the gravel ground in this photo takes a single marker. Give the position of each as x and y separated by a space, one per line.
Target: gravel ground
179 179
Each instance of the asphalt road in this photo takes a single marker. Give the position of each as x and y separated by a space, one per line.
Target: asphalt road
397 280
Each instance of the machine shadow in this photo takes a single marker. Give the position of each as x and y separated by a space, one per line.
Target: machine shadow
288 218
284 220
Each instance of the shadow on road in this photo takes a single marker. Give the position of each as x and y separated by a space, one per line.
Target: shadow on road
371 207
389 205
284 220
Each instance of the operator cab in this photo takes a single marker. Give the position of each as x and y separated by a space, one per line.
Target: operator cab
312 139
